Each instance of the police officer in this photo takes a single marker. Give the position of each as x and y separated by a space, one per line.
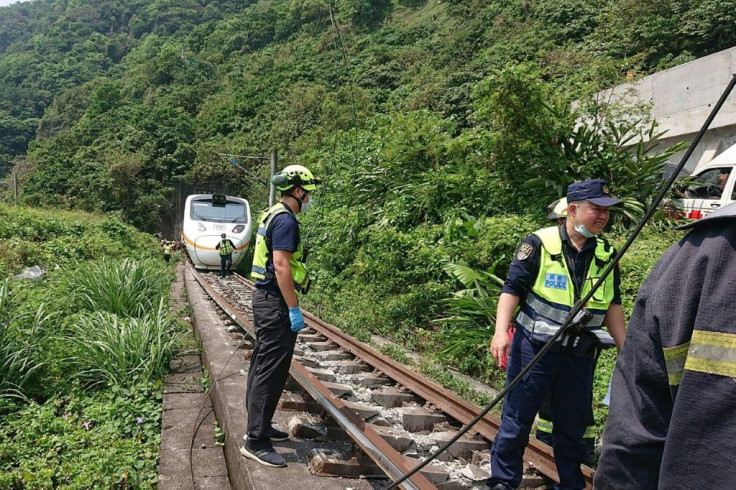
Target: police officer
552 269
280 274
558 213
226 247
672 417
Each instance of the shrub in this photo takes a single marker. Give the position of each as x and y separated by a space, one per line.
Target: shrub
21 338
119 351
126 288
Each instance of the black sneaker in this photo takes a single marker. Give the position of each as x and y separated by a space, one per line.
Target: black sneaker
278 435
499 486
274 435
267 456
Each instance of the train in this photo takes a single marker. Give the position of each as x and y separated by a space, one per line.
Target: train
206 218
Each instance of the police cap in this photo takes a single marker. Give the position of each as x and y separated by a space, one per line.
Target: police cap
595 191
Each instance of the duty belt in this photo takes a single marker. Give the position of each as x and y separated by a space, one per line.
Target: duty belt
578 344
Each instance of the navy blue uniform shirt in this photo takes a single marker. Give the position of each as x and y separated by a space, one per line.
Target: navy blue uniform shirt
282 234
523 273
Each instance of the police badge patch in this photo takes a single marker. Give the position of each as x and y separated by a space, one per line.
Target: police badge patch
525 250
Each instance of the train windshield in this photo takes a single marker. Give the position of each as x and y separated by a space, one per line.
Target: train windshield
230 212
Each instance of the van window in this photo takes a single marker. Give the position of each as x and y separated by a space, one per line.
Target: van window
710 184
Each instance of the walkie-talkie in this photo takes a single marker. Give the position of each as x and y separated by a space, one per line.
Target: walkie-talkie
581 320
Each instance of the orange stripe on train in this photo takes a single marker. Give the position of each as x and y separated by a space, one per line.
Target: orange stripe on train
212 249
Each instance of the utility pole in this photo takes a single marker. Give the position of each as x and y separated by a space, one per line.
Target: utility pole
272 192
15 186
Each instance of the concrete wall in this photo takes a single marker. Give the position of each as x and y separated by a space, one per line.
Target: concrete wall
681 99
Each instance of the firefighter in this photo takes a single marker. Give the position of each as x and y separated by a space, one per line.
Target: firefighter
673 399
280 274
551 270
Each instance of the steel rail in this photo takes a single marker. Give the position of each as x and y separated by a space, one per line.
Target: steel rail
381 452
536 452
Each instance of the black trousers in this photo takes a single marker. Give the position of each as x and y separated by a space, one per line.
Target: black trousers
545 413
269 366
226 263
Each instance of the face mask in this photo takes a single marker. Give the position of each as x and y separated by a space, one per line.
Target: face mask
580 228
306 206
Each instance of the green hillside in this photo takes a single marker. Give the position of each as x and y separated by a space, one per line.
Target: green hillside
113 101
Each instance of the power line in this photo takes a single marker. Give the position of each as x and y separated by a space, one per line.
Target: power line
252 157
233 158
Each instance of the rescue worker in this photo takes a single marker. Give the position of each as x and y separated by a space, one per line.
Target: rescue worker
552 269
673 400
167 251
279 274
557 210
226 247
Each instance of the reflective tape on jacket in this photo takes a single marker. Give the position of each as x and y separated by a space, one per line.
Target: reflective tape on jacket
547 426
674 359
544 425
712 353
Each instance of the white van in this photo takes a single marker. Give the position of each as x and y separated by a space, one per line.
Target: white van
714 186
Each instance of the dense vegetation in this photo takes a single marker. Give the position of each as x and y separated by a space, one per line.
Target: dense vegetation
442 129
82 351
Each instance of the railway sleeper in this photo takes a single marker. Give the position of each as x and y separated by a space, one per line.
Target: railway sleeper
307 426
326 462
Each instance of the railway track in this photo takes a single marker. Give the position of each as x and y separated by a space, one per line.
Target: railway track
393 414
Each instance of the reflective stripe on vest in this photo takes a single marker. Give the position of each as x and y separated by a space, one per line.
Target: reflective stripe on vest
548 304
259 269
225 247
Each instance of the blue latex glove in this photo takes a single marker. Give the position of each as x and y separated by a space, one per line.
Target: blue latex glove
297 320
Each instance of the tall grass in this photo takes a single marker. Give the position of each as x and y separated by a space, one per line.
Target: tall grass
127 288
109 349
21 338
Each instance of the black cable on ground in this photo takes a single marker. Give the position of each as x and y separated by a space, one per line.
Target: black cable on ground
580 304
197 422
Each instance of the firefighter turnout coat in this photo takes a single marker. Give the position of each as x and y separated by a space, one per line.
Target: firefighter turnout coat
672 420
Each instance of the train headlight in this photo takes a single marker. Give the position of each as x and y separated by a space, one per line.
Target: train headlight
201 227
239 229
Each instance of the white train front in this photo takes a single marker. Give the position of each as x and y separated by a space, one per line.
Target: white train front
206 217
